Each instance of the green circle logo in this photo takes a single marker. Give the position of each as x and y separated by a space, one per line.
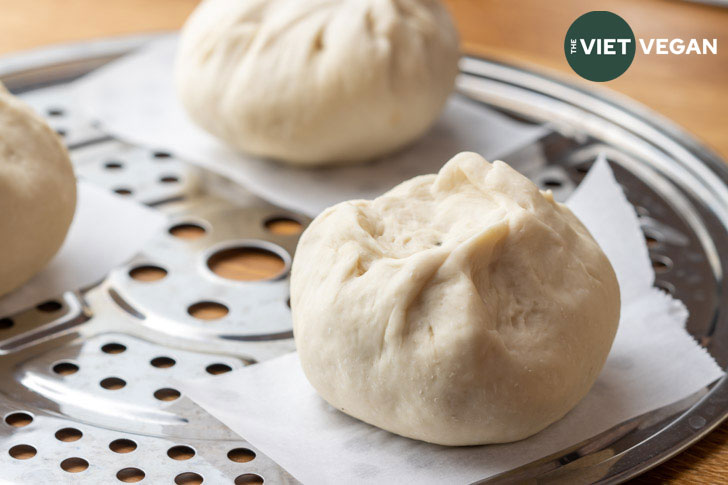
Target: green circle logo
599 46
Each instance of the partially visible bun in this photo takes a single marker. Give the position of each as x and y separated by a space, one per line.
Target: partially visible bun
37 193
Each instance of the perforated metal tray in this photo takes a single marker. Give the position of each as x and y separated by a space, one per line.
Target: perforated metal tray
87 390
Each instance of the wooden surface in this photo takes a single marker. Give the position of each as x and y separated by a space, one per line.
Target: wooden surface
691 90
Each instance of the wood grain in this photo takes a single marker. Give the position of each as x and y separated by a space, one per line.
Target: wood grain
691 90
26 24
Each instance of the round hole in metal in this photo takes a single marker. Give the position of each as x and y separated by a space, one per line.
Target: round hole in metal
661 264
22 452
113 348
163 362
653 237
167 394
180 452
161 155
112 383
147 273
187 230
208 310
241 455
113 165
651 240
74 465
130 475
6 323
55 112
188 478
218 368
169 179
69 434
65 368
551 183
665 286
123 191
284 226
246 263
18 419
122 446
248 479
49 306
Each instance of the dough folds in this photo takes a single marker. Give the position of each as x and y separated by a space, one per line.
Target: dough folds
461 308
314 82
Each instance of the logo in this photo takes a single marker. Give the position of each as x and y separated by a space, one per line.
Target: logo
599 46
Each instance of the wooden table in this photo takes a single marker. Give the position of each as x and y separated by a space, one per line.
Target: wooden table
691 90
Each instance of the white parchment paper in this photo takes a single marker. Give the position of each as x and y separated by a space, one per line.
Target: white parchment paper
653 363
106 231
134 99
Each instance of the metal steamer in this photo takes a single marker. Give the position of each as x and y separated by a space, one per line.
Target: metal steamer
88 379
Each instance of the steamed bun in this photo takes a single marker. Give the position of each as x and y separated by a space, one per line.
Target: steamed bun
461 308
37 193
317 81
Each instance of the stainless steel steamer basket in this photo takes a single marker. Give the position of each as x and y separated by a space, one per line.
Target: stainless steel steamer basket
87 391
